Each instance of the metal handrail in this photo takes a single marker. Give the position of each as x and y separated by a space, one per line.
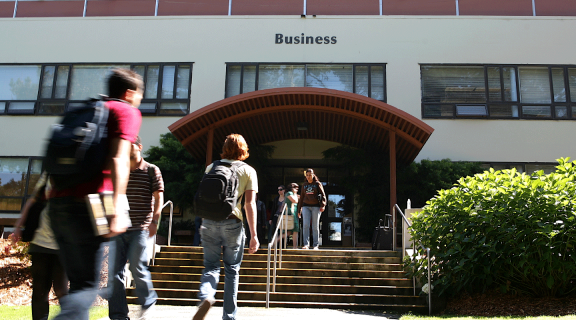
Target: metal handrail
396 207
169 202
281 223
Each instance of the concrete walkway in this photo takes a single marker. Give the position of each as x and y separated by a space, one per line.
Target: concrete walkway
164 312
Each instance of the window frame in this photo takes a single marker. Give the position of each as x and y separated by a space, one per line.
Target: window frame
40 101
568 104
28 188
305 64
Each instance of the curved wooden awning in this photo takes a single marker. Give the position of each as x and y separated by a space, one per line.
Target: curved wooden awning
280 114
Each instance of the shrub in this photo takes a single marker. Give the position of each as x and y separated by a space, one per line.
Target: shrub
502 229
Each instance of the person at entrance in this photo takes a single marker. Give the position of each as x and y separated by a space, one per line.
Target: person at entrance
292 208
276 211
311 204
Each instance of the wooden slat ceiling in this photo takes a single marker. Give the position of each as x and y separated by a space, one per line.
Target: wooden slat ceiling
271 115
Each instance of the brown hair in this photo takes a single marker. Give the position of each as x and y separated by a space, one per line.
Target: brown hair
235 148
314 178
122 80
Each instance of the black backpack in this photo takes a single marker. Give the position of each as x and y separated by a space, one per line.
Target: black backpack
215 198
77 149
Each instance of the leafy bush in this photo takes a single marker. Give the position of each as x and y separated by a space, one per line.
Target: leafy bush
502 229
180 171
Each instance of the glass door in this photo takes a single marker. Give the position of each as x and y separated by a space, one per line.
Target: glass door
331 221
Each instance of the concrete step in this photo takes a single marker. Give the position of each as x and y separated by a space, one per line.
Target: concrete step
417 308
296 296
290 272
301 280
288 257
295 287
289 264
322 252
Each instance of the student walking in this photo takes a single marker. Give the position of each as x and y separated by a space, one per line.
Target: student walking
46 269
145 194
224 239
81 250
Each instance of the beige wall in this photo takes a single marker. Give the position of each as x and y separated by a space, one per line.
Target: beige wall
403 42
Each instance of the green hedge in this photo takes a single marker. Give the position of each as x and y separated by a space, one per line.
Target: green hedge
502 229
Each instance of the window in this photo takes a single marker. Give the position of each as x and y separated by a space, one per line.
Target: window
364 79
18 176
50 89
498 92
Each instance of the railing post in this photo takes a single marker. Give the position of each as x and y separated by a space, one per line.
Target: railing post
169 202
429 283
268 277
394 228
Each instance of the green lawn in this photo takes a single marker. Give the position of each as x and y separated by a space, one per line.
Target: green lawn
413 317
25 312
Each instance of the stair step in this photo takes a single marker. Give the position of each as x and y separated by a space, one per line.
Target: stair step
321 252
287 264
288 257
299 304
294 296
290 272
401 282
292 287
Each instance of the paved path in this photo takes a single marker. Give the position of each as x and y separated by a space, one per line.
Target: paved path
246 313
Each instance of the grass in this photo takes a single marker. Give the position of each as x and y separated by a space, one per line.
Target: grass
25 312
414 317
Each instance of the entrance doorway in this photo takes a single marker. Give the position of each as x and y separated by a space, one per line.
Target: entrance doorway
339 201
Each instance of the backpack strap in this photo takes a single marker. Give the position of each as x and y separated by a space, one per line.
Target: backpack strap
98 124
151 175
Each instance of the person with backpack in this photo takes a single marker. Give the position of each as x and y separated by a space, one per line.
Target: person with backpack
310 206
81 249
218 201
46 270
145 194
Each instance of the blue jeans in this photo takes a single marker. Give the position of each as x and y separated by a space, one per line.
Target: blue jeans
219 237
310 214
80 253
131 246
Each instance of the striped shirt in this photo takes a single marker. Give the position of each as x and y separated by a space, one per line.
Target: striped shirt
140 194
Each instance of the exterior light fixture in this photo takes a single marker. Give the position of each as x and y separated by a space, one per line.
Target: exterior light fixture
302 126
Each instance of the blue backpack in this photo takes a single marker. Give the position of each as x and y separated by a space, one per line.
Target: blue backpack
77 149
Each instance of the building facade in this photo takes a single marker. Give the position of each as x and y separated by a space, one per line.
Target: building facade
495 80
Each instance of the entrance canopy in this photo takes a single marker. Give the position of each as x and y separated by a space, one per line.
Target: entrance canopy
302 113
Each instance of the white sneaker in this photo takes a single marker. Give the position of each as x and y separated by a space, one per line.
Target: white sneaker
316 248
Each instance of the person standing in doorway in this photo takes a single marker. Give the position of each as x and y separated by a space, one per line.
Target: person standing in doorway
145 194
291 204
277 206
311 204
225 239
261 216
